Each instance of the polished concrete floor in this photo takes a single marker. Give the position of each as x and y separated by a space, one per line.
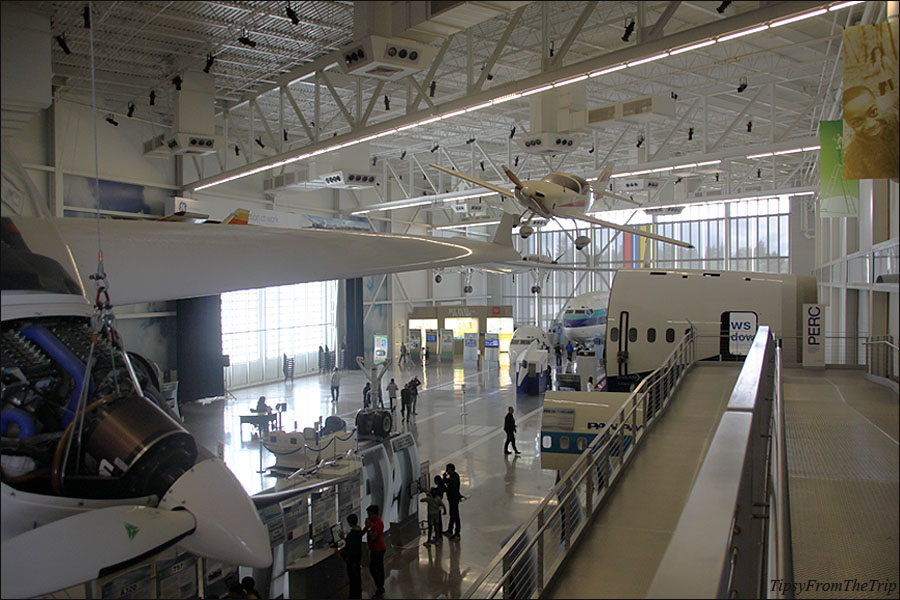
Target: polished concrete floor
502 490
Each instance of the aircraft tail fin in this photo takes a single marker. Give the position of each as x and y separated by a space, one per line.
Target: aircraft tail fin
503 235
240 216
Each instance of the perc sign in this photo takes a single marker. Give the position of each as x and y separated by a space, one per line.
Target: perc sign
813 335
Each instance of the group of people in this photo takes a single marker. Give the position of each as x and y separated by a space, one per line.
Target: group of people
558 350
446 484
409 395
245 589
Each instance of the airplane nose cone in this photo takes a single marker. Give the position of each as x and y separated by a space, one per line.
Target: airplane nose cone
228 526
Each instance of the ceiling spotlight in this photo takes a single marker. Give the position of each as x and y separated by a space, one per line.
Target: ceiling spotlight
489 76
284 134
749 126
640 141
152 97
758 173
742 85
260 142
482 165
209 63
246 41
431 88
436 146
690 133
403 155
512 132
176 81
387 102
516 164
717 176
130 109
237 150
629 29
374 160
470 140
591 151
61 40
679 180
552 49
674 95
86 14
111 120
721 8
292 15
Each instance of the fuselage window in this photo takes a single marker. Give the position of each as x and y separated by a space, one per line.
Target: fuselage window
564 442
546 441
670 335
294 440
632 334
581 444
614 334
651 335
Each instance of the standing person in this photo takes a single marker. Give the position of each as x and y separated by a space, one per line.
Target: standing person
327 358
509 426
321 360
367 394
435 509
392 393
402 362
335 385
569 350
405 400
558 350
414 393
451 481
352 555
427 354
375 537
249 585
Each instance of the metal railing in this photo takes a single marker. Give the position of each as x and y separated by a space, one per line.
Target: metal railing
536 550
733 539
882 356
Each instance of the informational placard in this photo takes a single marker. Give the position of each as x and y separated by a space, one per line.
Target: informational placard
558 419
491 348
296 526
324 515
349 498
138 582
814 336
414 344
470 347
380 348
272 518
177 577
425 475
741 331
446 344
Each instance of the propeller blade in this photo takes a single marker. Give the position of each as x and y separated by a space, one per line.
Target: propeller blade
512 177
73 550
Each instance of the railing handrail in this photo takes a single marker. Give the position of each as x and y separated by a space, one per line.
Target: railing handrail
781 566
568 483
885 342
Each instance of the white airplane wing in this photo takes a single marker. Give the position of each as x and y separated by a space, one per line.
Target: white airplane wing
575 214
494 188
151 261
602 192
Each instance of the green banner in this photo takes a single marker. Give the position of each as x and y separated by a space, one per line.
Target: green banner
838 197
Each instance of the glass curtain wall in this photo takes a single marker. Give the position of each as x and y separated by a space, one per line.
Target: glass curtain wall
749 235
260 326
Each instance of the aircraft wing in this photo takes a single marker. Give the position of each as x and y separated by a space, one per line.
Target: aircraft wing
575 214
148 261
494 188
600 192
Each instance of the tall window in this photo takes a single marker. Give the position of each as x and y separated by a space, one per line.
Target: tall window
289 319
749 235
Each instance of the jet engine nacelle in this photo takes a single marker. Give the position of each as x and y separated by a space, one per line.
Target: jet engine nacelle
581 242
525 231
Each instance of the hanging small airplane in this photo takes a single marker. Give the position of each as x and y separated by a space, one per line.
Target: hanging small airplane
557 195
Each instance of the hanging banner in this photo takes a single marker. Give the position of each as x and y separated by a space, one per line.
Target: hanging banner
838 197
870 101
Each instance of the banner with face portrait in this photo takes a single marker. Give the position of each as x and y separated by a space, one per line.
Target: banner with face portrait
870 102
838 197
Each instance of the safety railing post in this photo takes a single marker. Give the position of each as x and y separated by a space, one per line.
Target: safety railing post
540 552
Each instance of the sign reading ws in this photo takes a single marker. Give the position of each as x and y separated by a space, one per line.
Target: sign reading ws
741 331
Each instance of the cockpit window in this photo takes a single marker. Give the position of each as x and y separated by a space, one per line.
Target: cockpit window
567 181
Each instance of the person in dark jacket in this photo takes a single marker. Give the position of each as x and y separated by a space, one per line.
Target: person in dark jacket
405 400
414 384
509 426
451 481
352 555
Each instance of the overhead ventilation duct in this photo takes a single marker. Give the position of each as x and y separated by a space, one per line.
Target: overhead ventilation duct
194 130
351 180
639 110
388 59
556 116
431 21
549 143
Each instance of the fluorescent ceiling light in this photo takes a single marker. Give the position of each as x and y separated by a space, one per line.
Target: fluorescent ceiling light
479 106
809 148
641 61
709 162
800 17
731 36
692 47
543 88
432 119
764 154
568 81
452 114
608 70
791 151
503 99
844 5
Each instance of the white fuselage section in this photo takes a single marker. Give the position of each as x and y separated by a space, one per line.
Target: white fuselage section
584 317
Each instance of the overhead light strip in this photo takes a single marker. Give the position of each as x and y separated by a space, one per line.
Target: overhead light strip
466 225
542 88
411 202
